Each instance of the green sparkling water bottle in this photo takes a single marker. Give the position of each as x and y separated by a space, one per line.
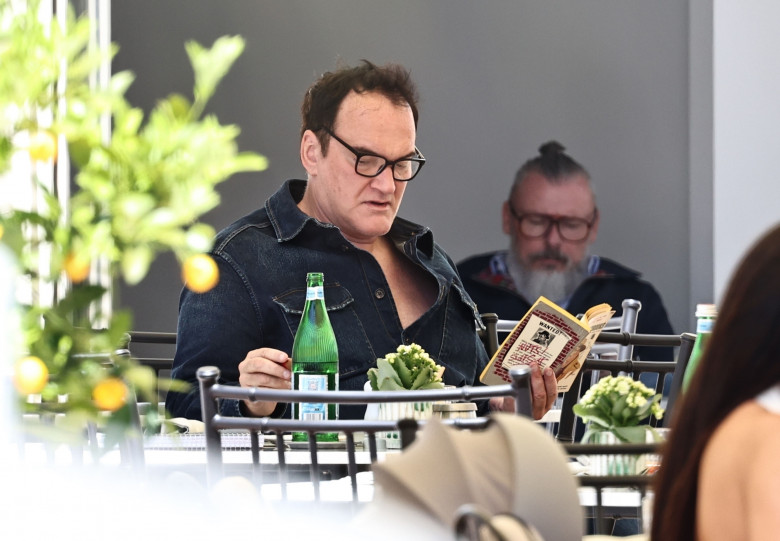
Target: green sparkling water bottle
315 359
705 322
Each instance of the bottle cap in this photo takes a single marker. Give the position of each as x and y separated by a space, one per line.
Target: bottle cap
706 310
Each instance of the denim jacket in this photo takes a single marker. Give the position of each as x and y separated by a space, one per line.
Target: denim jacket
263 259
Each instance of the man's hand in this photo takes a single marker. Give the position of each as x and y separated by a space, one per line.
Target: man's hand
544 391
265 368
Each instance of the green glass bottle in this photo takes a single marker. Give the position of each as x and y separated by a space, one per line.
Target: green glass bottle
315 358
705 322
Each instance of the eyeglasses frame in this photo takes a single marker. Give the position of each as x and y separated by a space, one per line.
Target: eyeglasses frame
419 158
554 221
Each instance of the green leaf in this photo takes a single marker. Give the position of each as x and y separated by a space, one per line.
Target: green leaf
372 378
389 384
592 414
134 206
135 263
80 150
211 65
246 161
432 385
200 237
631 434
619 406
387 377
422 378
405 375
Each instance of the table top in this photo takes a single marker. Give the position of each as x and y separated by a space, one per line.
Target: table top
186 452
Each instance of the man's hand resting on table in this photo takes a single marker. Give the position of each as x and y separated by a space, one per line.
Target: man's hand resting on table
265 368
544 391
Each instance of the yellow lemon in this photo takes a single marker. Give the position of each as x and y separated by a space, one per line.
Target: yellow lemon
30 375
76 269
200 273
43 146
110 394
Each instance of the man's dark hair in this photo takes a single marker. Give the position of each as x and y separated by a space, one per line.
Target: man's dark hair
324 97
552 163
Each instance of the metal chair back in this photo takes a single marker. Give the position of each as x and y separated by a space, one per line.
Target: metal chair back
639 481
211 392
684 342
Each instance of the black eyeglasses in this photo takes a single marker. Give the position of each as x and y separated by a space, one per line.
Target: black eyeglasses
534 225
371 165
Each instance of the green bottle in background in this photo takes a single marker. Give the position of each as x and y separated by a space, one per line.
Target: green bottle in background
315 358
705 322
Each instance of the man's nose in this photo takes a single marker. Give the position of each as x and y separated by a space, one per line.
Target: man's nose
553 236
384 181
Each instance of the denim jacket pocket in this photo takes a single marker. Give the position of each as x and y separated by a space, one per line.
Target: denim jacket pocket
354 346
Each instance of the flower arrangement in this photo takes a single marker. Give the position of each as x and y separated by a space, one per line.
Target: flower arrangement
138 193
618 405
409 368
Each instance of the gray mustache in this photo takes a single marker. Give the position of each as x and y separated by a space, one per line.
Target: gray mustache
549 254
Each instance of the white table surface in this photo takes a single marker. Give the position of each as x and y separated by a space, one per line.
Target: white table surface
190 456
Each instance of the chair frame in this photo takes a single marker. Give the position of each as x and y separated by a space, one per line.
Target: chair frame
625 323
211 392
144 337
640 483
685 343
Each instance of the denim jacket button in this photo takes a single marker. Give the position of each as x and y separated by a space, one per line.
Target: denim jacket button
379 293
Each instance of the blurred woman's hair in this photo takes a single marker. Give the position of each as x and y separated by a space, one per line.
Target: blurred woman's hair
740 361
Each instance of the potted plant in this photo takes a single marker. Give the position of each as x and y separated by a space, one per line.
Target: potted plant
614 410
408 368
137 193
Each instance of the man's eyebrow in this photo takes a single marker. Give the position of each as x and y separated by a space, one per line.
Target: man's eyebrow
364 150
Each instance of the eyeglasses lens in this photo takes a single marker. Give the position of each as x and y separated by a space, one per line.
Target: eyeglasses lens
569 228
371 166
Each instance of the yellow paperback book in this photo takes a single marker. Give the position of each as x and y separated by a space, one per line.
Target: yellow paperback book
548 335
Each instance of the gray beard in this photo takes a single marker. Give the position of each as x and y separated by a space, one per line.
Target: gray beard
555 285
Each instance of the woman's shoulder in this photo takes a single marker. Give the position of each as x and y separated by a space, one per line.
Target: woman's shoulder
750 429
738 472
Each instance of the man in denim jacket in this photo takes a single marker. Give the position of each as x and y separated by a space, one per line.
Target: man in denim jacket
386 282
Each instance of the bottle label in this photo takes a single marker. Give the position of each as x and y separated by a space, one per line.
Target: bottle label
313 382
314 293
705 325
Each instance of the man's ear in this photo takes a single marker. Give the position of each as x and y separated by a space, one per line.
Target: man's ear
506 218
594 229
310 152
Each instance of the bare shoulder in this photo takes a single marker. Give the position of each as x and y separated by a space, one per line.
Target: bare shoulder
759 439
739 483
762 485
766 445
750 424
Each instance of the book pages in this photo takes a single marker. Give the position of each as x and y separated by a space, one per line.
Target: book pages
546 336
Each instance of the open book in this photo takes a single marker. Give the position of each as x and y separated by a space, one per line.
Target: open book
550 336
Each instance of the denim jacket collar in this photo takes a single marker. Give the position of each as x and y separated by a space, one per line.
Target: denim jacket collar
288 220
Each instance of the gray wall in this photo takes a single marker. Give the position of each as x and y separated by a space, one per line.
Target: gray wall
608 79
745 139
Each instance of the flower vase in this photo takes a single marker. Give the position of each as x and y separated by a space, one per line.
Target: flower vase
612 464
395 411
